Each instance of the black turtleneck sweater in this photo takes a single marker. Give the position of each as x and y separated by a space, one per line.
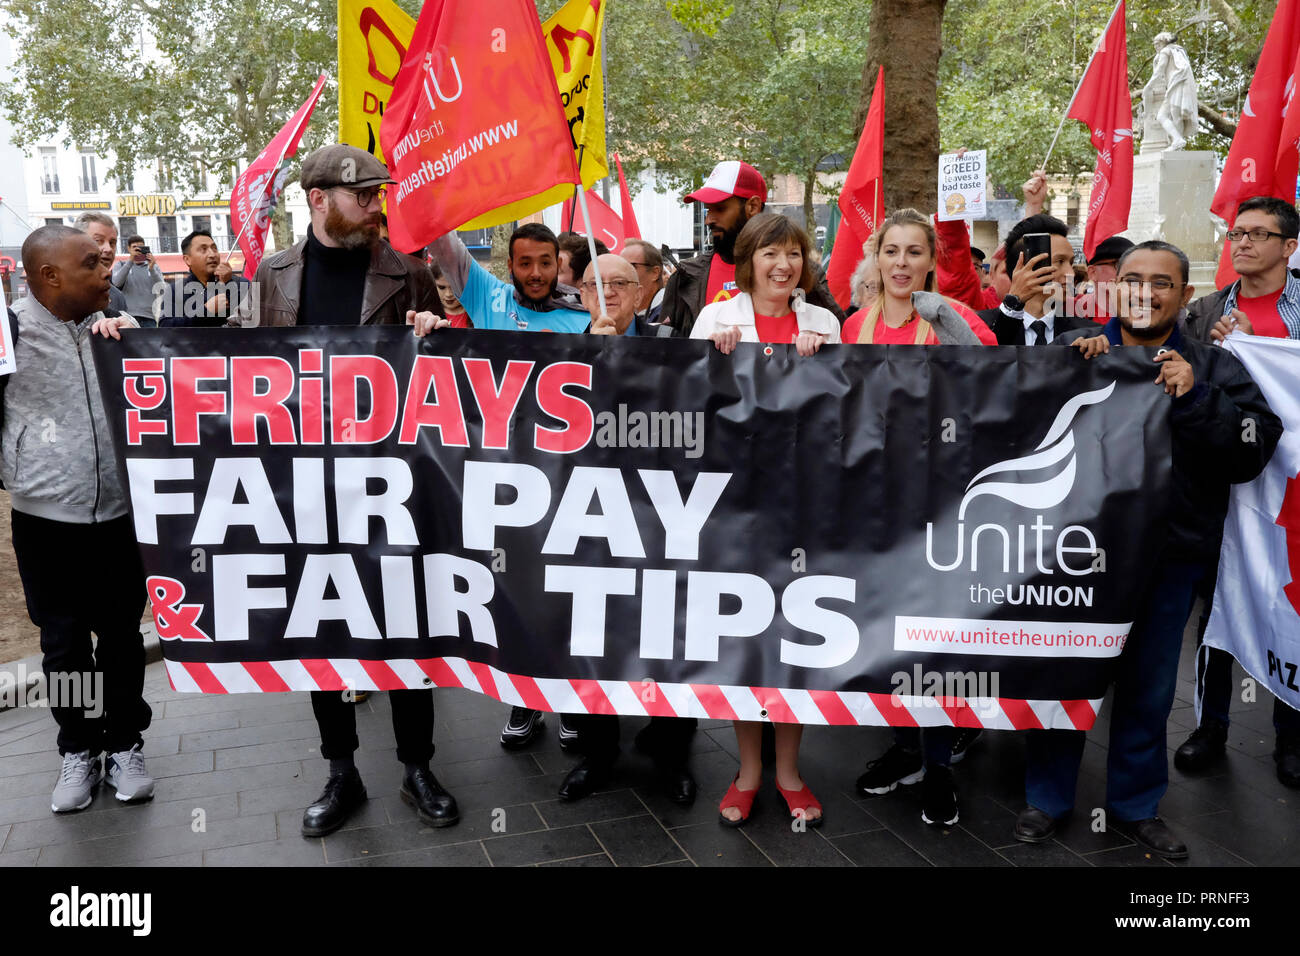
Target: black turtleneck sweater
333 283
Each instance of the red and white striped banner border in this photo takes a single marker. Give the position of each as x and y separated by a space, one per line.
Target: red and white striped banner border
635 698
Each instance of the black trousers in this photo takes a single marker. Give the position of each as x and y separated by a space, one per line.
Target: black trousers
667 738
80 579
412 724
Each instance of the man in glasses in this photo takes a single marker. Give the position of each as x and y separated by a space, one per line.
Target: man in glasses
666 740
1265 301
342 273
1210 396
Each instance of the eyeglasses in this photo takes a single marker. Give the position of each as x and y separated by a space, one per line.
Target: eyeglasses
1256 235
617 285
363 196
1136 282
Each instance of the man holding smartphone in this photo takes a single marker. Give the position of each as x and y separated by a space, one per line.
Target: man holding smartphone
137 277
1040 263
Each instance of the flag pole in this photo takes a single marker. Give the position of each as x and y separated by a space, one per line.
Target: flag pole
591 245
1082 77
270 182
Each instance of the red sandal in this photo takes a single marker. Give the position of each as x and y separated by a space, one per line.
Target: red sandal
742 800
800 802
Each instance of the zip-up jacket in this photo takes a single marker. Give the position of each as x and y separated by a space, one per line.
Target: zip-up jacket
56 452
1210 446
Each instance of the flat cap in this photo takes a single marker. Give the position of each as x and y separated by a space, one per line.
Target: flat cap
342 165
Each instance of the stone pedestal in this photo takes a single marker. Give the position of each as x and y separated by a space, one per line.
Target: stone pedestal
1171 201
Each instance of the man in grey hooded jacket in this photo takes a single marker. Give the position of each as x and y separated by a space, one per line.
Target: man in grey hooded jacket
72 536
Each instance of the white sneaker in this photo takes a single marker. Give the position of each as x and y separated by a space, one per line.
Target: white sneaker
126 774
80 775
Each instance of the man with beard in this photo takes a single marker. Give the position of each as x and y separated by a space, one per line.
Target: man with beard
733 193
1211 396
531 302
343 274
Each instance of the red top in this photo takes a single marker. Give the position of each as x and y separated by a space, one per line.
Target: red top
955 269
906 335
722 281
777 330
460 321
1262 312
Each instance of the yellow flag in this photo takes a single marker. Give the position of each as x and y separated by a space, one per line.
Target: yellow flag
573 41
373 38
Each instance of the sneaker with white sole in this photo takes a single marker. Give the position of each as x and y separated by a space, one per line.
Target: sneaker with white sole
895 767
126 774
78 779
568 736
939 798
521 728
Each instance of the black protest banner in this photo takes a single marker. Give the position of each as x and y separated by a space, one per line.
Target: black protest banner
620 525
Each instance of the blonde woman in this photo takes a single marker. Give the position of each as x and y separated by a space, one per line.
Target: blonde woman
905 251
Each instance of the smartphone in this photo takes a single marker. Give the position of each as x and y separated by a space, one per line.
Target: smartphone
1038 244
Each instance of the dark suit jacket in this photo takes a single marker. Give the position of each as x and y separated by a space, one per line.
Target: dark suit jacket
1011 331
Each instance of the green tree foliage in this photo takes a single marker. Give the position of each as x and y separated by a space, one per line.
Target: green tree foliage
224 79
1009 69
774 82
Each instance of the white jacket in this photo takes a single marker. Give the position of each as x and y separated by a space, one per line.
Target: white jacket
739 311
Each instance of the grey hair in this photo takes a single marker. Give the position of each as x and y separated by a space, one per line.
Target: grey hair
860 275
86 218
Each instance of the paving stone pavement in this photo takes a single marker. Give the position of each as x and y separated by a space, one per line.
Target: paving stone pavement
235 772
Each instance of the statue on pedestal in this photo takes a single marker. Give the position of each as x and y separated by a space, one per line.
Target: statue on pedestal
1168 99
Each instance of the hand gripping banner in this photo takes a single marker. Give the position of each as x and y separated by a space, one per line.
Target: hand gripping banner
876 535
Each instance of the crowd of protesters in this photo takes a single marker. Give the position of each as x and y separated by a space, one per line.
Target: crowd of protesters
918 283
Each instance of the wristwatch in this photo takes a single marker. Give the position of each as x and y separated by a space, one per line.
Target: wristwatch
1012 304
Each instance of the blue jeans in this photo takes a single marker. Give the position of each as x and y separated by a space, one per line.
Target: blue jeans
935 743
1137 767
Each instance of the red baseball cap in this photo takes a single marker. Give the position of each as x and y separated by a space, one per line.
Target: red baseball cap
730 178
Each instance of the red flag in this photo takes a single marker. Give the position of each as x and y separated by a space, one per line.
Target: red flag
1262 158
605 223
1102 101
475 120
630 229
259 188
862 202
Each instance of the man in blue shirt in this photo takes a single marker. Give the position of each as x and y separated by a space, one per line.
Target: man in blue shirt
529 304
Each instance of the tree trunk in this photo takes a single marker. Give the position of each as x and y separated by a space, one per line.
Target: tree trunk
809 213
500 265
905 35
281 228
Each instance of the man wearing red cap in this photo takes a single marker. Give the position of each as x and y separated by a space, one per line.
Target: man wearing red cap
733 193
